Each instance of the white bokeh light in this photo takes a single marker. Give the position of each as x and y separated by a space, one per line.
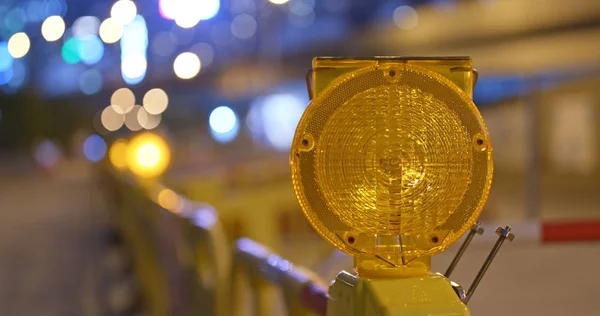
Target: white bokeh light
187 65
110 31
18 45
155 101
111 120
123 11
134 66
224 125
279 1
188 13
53 28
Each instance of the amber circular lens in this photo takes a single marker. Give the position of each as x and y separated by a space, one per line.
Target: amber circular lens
394 155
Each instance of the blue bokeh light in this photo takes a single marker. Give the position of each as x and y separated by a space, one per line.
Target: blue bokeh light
6 76
17 79
90 81
272 120
90 49
6 60
19 76
94 148
35 11
54 7
15 20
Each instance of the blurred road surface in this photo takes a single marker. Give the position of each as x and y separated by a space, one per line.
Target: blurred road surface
49 242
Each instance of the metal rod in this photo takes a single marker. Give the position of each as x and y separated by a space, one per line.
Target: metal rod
475 229
504 234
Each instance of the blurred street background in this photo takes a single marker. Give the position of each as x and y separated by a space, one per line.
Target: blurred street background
222 82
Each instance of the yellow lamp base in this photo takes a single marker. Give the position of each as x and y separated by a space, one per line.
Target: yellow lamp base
428 295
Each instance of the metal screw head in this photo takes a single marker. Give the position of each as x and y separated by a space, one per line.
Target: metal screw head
460 292
477 228
505 232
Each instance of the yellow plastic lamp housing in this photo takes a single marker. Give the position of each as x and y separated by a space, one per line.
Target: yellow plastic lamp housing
148 155
391 161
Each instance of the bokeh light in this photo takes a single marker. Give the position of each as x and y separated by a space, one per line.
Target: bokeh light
155 101
272 120
148 155
18 45
70 51
111 120
53 28
189 12
6 76
243 26
148 121
14 20
17 78
6 60
133 68
94 148
168 9
224 125
205 52
34 11
134 45
406 17
301 7
52 7
86 26
187 65
90 49
163 44
118 154
122 100
123 11
90 81
279 1
47 153
168 199
110 31
131 119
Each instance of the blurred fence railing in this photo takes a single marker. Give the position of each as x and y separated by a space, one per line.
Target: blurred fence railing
186 265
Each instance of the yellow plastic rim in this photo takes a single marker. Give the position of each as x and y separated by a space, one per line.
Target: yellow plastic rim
392 159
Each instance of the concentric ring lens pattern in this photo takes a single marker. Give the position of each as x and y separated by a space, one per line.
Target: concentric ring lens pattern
395 159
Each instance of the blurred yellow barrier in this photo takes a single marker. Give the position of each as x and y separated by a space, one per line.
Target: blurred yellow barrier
186 265
302 290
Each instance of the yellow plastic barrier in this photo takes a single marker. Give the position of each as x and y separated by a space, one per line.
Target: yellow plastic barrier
185 264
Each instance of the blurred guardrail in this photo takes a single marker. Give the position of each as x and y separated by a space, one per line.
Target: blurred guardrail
186 265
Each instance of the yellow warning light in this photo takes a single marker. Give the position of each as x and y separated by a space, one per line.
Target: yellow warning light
148 155
391 161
